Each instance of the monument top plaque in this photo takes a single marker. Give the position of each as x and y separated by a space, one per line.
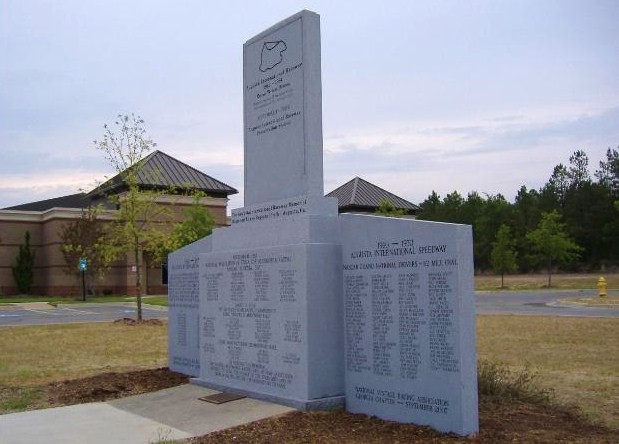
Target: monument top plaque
283 111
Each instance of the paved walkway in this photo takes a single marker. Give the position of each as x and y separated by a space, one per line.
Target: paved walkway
174 413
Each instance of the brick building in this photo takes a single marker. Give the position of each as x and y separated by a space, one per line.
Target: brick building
45 219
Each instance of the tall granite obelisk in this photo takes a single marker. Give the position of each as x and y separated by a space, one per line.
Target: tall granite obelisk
271 285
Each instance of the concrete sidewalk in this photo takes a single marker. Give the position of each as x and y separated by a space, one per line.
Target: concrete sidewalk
174 413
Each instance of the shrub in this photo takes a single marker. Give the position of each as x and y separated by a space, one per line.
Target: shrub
497 381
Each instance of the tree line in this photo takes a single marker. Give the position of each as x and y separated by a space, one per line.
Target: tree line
571 222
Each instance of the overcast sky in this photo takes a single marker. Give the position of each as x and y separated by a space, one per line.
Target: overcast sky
417 95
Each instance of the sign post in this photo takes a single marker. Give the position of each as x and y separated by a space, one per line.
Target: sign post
83 265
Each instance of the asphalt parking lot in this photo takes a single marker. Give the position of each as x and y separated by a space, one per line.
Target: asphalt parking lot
541 303
41 313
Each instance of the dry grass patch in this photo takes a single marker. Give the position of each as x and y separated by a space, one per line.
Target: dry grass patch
577 357
36 355
517 282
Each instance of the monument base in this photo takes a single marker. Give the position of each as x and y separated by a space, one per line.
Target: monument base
270 310
330 403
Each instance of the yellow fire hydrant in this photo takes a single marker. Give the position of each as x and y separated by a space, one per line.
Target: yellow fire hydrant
602 286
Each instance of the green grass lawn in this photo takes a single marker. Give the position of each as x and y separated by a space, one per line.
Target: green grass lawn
156 300
153 300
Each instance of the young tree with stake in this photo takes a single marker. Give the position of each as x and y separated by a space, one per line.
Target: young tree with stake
133 231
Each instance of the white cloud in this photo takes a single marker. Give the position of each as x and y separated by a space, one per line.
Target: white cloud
488 155
17 189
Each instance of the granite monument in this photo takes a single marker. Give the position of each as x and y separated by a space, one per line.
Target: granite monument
296 304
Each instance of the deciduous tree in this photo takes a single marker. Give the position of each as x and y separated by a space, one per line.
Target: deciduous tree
552 243
198 223
503 256
386 208
83 238
135 229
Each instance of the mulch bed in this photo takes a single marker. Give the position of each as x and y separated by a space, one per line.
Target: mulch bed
500 422
510 423
107 386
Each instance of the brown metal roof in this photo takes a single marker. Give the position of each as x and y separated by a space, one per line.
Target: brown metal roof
359 194
71 201
159 170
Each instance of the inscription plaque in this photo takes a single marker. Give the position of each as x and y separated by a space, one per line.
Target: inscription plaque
409 314
183 328
256 320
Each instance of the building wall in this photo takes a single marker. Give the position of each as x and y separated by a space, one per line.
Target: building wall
12 231
52 267
51 275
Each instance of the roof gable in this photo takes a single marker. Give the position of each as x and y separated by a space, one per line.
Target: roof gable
361 194
159 170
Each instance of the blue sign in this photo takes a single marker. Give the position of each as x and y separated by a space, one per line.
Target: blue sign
83 264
